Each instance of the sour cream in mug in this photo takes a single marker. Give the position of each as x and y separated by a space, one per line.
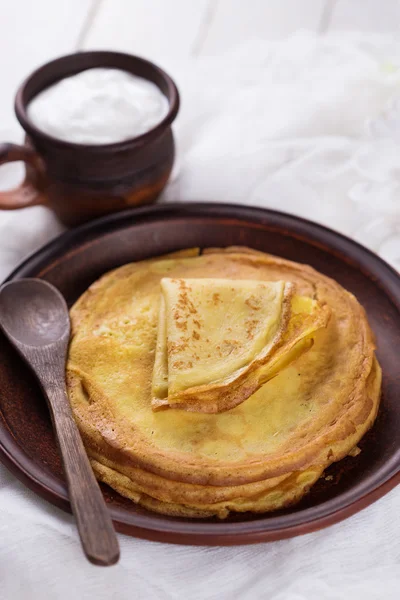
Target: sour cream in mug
98 106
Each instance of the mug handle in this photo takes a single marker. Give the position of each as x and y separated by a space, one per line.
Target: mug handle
26 194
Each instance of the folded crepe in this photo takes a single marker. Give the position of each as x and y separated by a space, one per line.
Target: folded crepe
219 340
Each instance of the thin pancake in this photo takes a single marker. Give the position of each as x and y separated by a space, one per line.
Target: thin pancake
202 501
216 327
223 365
136 483
313 412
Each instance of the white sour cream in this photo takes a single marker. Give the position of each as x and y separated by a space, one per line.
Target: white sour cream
98 106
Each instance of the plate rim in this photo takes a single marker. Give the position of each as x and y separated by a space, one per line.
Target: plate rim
196 532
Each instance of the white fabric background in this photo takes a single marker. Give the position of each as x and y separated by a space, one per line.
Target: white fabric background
309 126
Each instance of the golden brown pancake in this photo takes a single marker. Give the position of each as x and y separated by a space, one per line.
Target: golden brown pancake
262 454
219 340
211 330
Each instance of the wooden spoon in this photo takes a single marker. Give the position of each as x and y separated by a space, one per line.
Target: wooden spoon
34 317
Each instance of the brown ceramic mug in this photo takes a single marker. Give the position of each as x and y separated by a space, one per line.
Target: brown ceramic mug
79 181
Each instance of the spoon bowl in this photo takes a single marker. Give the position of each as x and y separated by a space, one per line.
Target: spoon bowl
33 312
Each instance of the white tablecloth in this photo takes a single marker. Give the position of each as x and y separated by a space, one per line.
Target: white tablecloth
309 126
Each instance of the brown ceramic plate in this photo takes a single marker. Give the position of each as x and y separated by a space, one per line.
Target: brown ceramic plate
73 261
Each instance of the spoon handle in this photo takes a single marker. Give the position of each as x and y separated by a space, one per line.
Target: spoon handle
97 534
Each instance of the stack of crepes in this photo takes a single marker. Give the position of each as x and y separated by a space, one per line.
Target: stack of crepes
222 381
